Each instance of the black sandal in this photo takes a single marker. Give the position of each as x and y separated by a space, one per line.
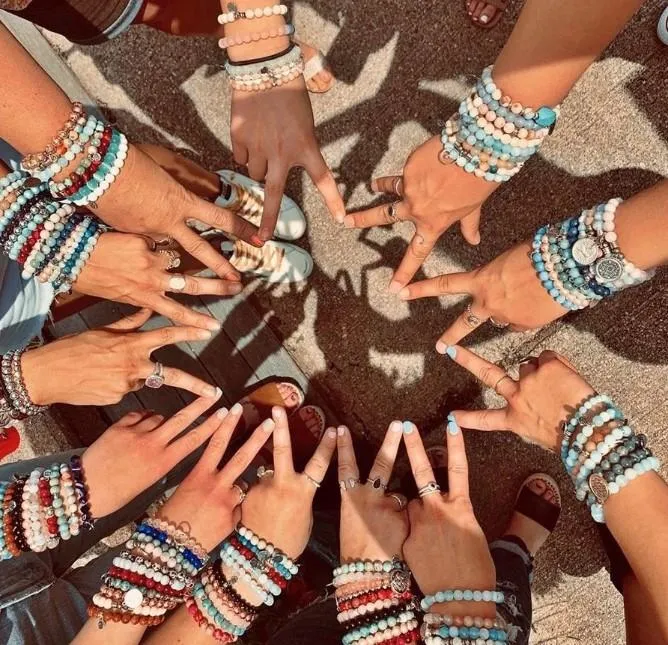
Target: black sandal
535 506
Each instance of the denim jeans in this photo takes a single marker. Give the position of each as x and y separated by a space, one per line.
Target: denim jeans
42 600
318 624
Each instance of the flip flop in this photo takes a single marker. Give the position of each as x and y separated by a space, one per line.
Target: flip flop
500 6
10 440
535 506
313 66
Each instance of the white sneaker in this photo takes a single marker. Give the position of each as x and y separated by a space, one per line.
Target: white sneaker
274 262
662 27
247 199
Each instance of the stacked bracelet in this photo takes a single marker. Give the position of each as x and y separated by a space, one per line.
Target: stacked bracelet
265 73
245 39
15 401
579 261
249 14
605 454
491 135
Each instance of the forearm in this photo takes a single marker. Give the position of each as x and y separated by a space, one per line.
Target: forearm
112 634
179 628
554 42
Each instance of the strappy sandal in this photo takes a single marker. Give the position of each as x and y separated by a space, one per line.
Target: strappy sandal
500 6
313 66
10 440
535 506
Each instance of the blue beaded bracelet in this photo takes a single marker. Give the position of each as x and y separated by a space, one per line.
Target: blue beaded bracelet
497 635
457 595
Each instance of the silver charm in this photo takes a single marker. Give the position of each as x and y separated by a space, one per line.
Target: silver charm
608 269
599 487
400 581
585 251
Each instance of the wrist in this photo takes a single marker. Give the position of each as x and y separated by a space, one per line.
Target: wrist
35 377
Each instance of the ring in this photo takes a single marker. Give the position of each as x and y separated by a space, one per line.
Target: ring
399 499
529 360
348 484
377 483
156 379
499 381
392 211
471 319
242 492
498 325
315 482
395 185
428 489
177 282
264 472
173 258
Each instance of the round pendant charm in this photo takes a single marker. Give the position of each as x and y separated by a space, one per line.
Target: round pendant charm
133 598
585 251
400 581
599 487
608 269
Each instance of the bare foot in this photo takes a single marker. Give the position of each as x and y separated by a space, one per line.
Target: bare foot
322 79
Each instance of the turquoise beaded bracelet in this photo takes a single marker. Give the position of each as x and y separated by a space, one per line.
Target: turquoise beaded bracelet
457 595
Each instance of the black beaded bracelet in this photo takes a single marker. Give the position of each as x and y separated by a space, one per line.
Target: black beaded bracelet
79 477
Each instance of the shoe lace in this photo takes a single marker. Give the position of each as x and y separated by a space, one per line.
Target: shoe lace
247 257
249 203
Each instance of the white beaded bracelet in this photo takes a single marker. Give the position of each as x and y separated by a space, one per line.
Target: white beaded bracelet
248 14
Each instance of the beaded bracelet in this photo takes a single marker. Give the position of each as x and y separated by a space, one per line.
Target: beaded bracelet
245 39
266 73
249 14
385 630
457 595
14 384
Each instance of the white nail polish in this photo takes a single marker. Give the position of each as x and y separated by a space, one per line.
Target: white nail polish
268 425
331 433
341 430
237 408
222 413
396 426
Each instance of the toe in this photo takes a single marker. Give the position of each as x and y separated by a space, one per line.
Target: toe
487 14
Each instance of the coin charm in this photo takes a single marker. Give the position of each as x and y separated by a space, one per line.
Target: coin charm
599 487
585 251
133 598
608 269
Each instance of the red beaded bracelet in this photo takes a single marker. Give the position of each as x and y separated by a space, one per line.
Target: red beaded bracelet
203 622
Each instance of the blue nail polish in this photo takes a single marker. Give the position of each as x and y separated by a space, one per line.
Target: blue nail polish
453 428
451 351
408 427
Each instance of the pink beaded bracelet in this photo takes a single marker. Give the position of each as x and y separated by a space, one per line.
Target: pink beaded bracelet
245 39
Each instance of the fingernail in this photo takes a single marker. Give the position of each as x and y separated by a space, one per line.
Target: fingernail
404 293
396 426
268 425
256 240
408 427
340 217
210 391
341 430
235 287
213 325
331 433
222 413
374 185
451 351
395 287
453 428
348 221
203 334
441 347
236 409
278 413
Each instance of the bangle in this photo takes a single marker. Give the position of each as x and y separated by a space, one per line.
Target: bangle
249 14
457 595
245 39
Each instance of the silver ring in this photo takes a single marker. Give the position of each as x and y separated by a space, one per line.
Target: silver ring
348 484
315 482
395 185
429 489
471 319
496 324
156 379
377 484
173 258
392 210
496 385
242 492
177 282
262 471
399 499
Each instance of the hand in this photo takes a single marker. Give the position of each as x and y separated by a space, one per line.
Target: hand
272 131
138 450
373 526
207 501
145 199
101 366
431 195
280 507
124 269
507 290
446 548
548 392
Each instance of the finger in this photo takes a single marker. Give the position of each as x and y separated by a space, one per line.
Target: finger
155 338
273 194
203 251
387 455
243 457
393 185
194 286
528 366
193 439
317 466
466 322
167 259
132 322
458 465
470 227
488 373
419 248
184 417
225 220
346 455
181 315
225 422
422 471
492 420
283 464
131 418
149 423
184 381
548 355
377 216
324 180
442 285
239 152
257 166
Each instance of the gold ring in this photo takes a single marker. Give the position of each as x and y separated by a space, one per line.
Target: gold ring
400 500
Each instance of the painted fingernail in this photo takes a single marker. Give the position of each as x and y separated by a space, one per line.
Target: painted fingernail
210 391
441 347
453 428
177 283
278 413
348 221
395 287
236 409
234 288
341 430
256 240
405 293
213 325
340 218
268 425
451 351
222 413
331 433
408 427
396 426
204 334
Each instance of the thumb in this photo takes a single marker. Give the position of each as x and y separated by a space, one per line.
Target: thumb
470 226
131 322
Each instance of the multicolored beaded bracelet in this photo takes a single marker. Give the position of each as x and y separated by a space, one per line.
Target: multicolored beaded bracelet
245 39
249 14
